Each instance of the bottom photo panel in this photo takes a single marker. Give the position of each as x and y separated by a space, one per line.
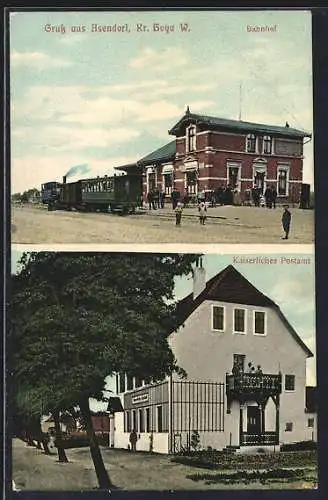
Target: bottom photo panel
162 371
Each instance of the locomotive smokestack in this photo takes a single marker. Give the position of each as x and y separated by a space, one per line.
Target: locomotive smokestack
64 179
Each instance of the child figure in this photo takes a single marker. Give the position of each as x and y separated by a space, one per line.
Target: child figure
178 214
286 220
202 213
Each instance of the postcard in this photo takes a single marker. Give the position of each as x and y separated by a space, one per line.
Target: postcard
161 127
203 365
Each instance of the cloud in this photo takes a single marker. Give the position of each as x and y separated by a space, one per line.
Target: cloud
33 170
37 60
160 60
60 138
293 295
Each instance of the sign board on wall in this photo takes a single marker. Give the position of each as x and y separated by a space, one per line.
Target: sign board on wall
142 398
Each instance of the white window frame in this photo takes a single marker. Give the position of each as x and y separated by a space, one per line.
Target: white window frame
231 164
212 318
283 168
151 170
265 323
188 129
168 190
245 320
256 144
271 142
289 375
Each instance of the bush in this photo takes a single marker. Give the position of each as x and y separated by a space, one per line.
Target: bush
299 446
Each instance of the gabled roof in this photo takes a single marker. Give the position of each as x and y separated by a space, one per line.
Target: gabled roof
216 123
311 399
165 153
231 286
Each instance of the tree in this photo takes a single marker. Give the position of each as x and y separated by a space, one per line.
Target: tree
81 317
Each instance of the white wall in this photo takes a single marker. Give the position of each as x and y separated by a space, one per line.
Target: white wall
207 355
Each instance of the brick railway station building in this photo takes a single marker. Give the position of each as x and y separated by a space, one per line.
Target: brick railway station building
210 152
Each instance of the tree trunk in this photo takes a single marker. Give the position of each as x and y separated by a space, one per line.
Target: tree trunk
59 444
102 474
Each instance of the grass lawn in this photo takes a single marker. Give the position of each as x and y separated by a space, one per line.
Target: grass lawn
32 470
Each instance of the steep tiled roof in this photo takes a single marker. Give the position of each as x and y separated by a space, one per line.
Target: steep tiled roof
223 123
231 286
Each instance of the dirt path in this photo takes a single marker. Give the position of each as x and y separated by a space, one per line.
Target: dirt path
224 225
32 470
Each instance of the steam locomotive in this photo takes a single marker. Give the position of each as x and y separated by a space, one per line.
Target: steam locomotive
118 193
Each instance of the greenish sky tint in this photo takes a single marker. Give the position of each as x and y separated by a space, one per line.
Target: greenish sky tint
291 286
106 98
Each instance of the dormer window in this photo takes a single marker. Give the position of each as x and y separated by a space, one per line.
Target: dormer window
191 138
267 144
251 143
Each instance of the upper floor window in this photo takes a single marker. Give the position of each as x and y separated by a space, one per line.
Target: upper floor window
259 322
289 382
289 427
129 382
191 138
239 321
239 361
267 144
218 318
251 143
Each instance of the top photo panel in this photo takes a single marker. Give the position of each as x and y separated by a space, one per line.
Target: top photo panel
161 127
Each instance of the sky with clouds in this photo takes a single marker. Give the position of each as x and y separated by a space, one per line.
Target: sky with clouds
291 286
108 98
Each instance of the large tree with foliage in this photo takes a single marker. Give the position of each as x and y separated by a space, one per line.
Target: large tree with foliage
79 317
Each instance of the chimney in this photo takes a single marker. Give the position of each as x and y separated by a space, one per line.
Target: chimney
64 179
199 278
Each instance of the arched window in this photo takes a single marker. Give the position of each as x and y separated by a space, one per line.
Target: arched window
251 143
267 144
191 138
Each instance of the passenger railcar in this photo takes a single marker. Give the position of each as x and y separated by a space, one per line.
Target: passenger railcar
115 194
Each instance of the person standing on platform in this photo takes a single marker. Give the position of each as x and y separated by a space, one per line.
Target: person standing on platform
178 214
202 213
286 220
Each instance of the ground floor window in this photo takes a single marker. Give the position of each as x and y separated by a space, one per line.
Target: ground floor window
141 420
134 420
151 181
310 422
159 418
233 177
127 422
282 182
148 425
191 182
289 382
168 183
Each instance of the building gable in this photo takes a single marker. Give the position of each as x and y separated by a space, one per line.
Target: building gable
216 123
232 287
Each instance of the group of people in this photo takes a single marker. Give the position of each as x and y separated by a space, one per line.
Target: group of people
155 199
268 199
202 212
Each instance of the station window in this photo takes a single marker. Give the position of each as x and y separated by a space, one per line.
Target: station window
129 382
218 318
122 382
191 138
251 143
267 144
239 323
289 382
